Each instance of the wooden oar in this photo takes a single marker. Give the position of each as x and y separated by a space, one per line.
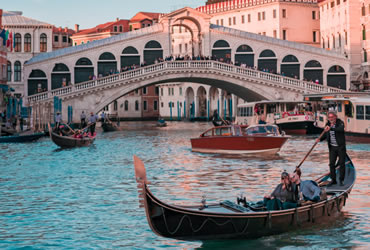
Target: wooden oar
111 122
309 152
74 132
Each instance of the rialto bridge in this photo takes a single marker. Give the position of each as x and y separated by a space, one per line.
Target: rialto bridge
265 67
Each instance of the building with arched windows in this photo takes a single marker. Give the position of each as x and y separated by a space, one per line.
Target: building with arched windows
31 37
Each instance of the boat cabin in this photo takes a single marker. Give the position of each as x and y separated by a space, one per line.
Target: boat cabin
242 130
251 113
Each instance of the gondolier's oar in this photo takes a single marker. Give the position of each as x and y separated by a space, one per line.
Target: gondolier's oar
87 126
74 132
309 152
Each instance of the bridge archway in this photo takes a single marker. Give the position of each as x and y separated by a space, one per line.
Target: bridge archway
130 56
107 64
84 70
152 52
213 100
267 61
201 110
37 82
60 76
190 102
313 71
244 55
248 91
337 77
290 67
221 50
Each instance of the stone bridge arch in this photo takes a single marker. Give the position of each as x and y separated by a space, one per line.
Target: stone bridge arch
248 91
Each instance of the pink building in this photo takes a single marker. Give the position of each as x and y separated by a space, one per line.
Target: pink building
292 20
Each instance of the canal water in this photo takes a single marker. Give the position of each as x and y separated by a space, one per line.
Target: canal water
87 197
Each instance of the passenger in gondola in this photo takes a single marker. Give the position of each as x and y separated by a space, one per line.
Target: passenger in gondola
283 197
305 190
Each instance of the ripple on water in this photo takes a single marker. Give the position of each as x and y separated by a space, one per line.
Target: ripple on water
87 197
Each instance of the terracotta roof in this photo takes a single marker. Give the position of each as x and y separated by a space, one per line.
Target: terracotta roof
101 27
145 15
61 30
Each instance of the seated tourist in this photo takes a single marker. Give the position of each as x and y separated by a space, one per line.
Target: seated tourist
284 195
306 190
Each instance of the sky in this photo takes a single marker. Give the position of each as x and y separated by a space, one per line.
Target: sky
89 13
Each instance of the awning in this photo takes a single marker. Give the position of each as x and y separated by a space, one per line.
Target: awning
4 87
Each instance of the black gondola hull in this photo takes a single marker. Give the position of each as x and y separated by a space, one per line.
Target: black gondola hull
70 142
197 223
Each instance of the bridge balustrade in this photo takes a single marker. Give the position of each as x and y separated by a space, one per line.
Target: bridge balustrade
183 65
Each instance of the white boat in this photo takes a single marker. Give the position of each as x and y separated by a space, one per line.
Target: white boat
353 108
293 117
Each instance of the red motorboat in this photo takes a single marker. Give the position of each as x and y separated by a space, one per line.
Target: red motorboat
240 139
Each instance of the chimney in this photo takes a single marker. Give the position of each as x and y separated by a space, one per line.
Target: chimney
117 19
1 18
77 28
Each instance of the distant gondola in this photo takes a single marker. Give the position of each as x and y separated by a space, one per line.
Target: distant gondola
109 127
70 141
21 138
229 220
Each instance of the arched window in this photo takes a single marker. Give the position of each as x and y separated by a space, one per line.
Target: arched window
9 71
152 52
37 82
84 61
244 56
365 55
130 56
366 75
153 45
107 64
290 67
221 51
337 77
267 53
27 43
137 105
313 72
126 105
17 71
43 42
84 70
17 42
107 56
60 77
313 64
267 61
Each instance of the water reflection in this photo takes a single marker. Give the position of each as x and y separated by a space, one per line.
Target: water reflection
87 197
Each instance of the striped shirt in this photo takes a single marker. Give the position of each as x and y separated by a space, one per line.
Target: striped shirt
333 140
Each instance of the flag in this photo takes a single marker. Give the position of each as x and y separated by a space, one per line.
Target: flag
7 38
14 42
2 35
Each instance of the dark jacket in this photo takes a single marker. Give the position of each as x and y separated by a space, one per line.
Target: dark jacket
339 133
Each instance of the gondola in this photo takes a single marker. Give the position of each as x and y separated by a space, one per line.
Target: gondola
230 220
70 141
109 127
19 138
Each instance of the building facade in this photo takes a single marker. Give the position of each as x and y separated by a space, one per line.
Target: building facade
292 20
31 37
363 81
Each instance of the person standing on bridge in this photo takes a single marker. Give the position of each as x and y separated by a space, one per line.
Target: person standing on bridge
92 120
337 147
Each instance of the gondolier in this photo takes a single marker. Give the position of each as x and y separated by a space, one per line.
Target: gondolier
58 120
83 119
92 120
334 133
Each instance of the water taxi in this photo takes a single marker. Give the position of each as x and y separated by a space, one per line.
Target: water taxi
351 107
293 117
237 139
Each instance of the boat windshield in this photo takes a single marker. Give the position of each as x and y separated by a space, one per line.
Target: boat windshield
268 129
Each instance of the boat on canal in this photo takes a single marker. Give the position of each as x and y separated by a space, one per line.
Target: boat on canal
109 127
352 108
234 220
293 117
22 137
240 139
69 141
